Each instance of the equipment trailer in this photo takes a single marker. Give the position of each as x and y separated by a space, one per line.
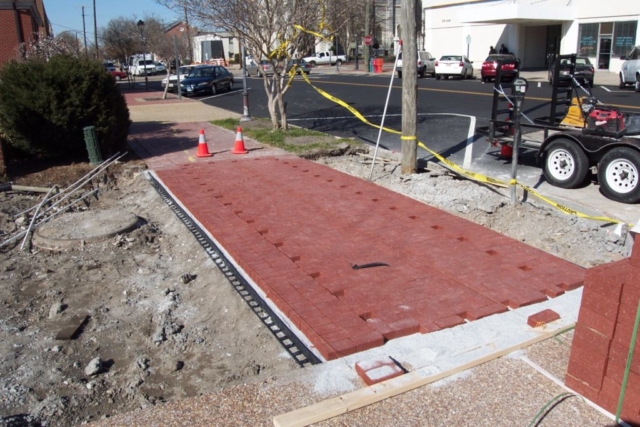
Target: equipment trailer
591 138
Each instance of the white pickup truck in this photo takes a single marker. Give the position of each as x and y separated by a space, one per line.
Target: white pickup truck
325 58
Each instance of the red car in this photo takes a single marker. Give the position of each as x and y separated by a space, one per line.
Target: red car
509 70
118 75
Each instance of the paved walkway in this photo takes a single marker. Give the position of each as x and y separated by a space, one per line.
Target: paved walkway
304 233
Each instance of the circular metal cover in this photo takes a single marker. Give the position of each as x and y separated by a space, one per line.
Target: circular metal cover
69 230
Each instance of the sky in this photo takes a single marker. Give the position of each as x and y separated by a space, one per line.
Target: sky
67 14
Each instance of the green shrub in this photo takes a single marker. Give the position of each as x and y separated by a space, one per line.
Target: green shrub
44 107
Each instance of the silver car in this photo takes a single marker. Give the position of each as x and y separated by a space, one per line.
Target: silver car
630 70
264 67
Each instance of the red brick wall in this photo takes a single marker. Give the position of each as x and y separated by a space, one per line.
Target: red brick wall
603 334
8 36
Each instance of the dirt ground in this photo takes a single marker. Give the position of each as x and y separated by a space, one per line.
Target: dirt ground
162 319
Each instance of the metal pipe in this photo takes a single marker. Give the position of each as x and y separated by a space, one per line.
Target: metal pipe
35 215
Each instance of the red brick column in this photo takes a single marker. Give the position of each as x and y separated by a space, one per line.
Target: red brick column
603 334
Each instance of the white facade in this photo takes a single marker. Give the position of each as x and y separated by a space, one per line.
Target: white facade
605 31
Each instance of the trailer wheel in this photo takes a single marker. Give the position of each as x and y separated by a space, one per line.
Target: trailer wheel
565 164
619 175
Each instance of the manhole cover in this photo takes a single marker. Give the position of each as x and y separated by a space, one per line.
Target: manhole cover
91 226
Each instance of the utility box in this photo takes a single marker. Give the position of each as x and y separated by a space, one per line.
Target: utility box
95 156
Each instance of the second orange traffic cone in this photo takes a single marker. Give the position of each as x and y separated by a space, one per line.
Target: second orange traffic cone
239 147
203 150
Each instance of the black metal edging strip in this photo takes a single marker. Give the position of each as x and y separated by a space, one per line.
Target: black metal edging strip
299 351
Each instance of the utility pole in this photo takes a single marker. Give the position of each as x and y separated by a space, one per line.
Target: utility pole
409 139
95 30
186 22
367 14
84 30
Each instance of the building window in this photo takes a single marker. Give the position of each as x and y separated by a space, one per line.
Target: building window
624 38
588 39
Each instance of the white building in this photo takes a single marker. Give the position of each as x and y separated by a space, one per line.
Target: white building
605 31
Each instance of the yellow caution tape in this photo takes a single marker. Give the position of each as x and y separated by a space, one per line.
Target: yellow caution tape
454 167
409 138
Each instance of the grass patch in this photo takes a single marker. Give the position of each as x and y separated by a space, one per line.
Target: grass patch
295 140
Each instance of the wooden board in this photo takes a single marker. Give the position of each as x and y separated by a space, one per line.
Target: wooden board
357 399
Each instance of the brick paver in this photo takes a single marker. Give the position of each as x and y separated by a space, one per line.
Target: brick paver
298 228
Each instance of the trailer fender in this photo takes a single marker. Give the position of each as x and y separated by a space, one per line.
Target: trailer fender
594 146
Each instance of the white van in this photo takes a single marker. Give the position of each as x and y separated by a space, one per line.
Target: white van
630 70
141 67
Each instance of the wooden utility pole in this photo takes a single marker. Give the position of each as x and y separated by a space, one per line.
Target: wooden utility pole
95 30
409 141
367 49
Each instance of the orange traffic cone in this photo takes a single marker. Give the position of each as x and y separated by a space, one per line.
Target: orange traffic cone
239 148
203 150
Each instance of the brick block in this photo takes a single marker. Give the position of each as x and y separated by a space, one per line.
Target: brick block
634 259
604 281
593 340
487 310
448 322
581 388
587 366
376 370
605 307
542 318
594 321
402 328
609 396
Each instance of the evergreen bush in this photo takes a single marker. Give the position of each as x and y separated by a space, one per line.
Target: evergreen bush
44 107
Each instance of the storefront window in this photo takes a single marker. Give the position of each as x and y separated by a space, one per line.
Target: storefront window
624 38
588 40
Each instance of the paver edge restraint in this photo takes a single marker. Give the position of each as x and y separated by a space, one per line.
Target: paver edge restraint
295 347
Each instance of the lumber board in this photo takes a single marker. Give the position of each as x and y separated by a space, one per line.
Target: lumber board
366 396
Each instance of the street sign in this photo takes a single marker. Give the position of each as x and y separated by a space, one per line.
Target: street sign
367 40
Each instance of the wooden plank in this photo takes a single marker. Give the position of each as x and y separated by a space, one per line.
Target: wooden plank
357 399
75 323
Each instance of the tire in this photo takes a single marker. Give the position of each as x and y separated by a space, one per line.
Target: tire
438 76
313 63
399 74
590 83
621 85
117 78
445 77
636 86
422 74
619 175
339 62
565 164
214 89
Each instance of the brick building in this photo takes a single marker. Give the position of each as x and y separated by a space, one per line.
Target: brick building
21 21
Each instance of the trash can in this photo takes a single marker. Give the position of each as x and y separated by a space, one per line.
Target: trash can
95 157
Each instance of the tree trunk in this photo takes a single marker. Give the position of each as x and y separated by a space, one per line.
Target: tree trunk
166 88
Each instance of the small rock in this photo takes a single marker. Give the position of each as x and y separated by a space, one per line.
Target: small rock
94 367
56 349
186 278
56 309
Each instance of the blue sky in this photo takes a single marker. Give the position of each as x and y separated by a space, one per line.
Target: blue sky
67 14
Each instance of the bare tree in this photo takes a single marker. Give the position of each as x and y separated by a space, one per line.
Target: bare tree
269 29
120 38
158 42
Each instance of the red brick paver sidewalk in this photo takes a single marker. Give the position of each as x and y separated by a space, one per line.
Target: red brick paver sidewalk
298 229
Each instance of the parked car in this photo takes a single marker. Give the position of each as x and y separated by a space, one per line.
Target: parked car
118 75
110 66
301 65
173 78
426 64
160 67
583 72
454 65
509 70
141 67
264 67
207 78
630 70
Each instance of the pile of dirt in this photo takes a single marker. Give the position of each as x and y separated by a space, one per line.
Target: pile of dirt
161 321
